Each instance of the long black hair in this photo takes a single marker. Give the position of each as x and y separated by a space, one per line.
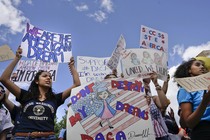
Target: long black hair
34 88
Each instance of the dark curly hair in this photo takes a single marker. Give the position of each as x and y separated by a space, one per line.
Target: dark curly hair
34 88
183 69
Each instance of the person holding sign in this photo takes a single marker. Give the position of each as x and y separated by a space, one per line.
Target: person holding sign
156 105
195 109
39 103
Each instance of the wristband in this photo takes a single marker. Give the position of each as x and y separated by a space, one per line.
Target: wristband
158 87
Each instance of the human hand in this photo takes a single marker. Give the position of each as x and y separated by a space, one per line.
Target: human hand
71 64
154 77
171 113
19 52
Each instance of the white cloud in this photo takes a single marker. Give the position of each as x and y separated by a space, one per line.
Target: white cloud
29 2
107 5
11 17
99 16
193 51
177 49
82 7
16 2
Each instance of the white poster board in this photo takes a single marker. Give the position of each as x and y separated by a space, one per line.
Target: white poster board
110 109
141 62
27 69
117 53
6 53
153 39
46 46
195 83
92 68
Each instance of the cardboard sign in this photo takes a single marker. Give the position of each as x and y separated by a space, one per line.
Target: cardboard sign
46 46
6 53
27 69
141 62
109 109
205 53
153 39
195 83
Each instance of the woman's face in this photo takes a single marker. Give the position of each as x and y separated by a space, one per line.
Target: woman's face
103 94
197 68
45 79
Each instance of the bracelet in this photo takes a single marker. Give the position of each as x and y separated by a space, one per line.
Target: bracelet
158 87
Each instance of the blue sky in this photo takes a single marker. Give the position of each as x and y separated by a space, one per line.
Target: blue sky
96 26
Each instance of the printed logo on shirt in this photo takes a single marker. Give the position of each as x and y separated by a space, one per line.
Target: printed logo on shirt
38 110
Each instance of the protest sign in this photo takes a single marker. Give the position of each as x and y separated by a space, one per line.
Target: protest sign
46 46
92 68
6 53
141 62
195 83
117 53
154 39
27 69
110 109
204 53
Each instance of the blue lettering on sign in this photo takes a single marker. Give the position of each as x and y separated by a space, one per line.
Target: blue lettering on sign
46 46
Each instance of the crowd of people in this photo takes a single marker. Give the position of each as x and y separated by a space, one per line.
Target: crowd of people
34 118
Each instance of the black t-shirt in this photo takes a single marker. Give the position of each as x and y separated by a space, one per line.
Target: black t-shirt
38 115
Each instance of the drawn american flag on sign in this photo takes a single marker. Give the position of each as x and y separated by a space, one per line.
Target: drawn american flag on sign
122 120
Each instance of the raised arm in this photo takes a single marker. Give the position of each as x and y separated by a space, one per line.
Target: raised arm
76 80
5 77
7 103
165 84
161 100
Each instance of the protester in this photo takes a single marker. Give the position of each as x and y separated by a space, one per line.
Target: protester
39 103
5 119
157 103
195 109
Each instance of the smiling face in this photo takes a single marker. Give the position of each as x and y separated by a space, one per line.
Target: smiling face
103 95
197 68
45 79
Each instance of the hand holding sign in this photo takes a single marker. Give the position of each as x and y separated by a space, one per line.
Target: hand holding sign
19 52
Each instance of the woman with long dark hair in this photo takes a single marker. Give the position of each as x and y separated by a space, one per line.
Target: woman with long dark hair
194 105
39 103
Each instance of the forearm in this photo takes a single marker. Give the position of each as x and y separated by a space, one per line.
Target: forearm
8 104
165 87
5 78
8 71
194 118
76 80
162 98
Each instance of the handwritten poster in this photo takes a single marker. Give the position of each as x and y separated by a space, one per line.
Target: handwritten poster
6 53
204 53
195 83
113 109
92 68
117 53
141 62
153 39
27 69
46 46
